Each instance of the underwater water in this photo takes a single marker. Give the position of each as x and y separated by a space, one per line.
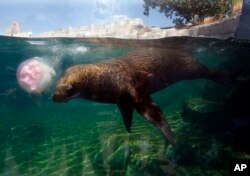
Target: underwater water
210 121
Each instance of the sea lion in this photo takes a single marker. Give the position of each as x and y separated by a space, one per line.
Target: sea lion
129 81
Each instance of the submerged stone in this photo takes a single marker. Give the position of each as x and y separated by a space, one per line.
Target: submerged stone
207 153
197 111
226 117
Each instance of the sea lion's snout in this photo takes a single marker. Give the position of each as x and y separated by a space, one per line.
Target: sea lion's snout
65 92
56 97
61 93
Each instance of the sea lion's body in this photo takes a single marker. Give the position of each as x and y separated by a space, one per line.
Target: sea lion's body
128 82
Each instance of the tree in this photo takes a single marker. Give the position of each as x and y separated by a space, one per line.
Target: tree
188 11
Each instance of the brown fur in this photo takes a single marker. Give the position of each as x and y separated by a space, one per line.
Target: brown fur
145 71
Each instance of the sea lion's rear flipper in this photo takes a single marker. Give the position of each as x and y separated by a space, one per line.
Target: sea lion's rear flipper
151 112
126 108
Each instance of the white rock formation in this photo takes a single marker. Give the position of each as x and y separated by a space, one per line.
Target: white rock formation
15 30
136 29
123 29
23 34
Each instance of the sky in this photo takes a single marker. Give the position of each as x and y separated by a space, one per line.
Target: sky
40 16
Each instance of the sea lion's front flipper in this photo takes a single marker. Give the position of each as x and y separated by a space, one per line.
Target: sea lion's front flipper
151 112
126 108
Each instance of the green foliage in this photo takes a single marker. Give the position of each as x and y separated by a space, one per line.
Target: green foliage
237 1
188 11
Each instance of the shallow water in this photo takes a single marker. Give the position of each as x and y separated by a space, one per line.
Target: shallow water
210 121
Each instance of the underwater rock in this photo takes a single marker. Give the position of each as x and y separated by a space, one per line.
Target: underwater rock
207 153
152 165
114 154
200 112
237 108
119 158
216 92
212 155
184 154
132 157
238 132
238 100
227 117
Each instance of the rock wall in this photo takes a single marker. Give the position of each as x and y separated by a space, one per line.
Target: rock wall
223 29
243 31
136 29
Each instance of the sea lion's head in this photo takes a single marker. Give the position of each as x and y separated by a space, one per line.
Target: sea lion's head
67 87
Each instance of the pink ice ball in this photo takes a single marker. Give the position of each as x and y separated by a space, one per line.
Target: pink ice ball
34 75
